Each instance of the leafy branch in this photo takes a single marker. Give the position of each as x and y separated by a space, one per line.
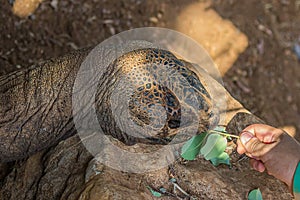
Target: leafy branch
211 145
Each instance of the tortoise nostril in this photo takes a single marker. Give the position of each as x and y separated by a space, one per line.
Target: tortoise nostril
174 124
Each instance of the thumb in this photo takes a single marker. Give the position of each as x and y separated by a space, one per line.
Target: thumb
253 146
245 137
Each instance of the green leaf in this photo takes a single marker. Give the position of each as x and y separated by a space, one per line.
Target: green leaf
153 192
162 190
223 158
191 148
214 146
255 195
173 180
220 129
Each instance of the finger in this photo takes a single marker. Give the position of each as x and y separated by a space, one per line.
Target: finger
252 145
240 148
264 133
257 165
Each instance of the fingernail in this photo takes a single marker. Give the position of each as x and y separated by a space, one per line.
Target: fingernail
245 137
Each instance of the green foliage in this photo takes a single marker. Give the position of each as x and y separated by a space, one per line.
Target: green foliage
223 158
154 193
255 195
173 180
211 145
162 190
192 147
214 146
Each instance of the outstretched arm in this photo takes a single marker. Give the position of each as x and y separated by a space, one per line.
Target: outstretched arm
273 150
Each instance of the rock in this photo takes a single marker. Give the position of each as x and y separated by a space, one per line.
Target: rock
153 20
219 37
55 174
113 184
24 8
204 181
100 189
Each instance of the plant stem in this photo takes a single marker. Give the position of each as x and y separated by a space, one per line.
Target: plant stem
225 134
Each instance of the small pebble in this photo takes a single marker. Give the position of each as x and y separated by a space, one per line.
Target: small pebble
289 98
153 20
24 8
108 21
54 4
159 15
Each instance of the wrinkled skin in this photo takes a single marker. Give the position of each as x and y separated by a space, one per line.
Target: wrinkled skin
36 103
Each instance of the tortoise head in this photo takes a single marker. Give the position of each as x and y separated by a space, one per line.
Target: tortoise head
161 95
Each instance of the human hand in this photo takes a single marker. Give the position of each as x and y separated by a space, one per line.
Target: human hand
272 149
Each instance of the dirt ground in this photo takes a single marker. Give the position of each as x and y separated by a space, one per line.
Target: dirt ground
265 78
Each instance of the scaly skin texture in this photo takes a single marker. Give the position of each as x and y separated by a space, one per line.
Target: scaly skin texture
36 103
36 107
